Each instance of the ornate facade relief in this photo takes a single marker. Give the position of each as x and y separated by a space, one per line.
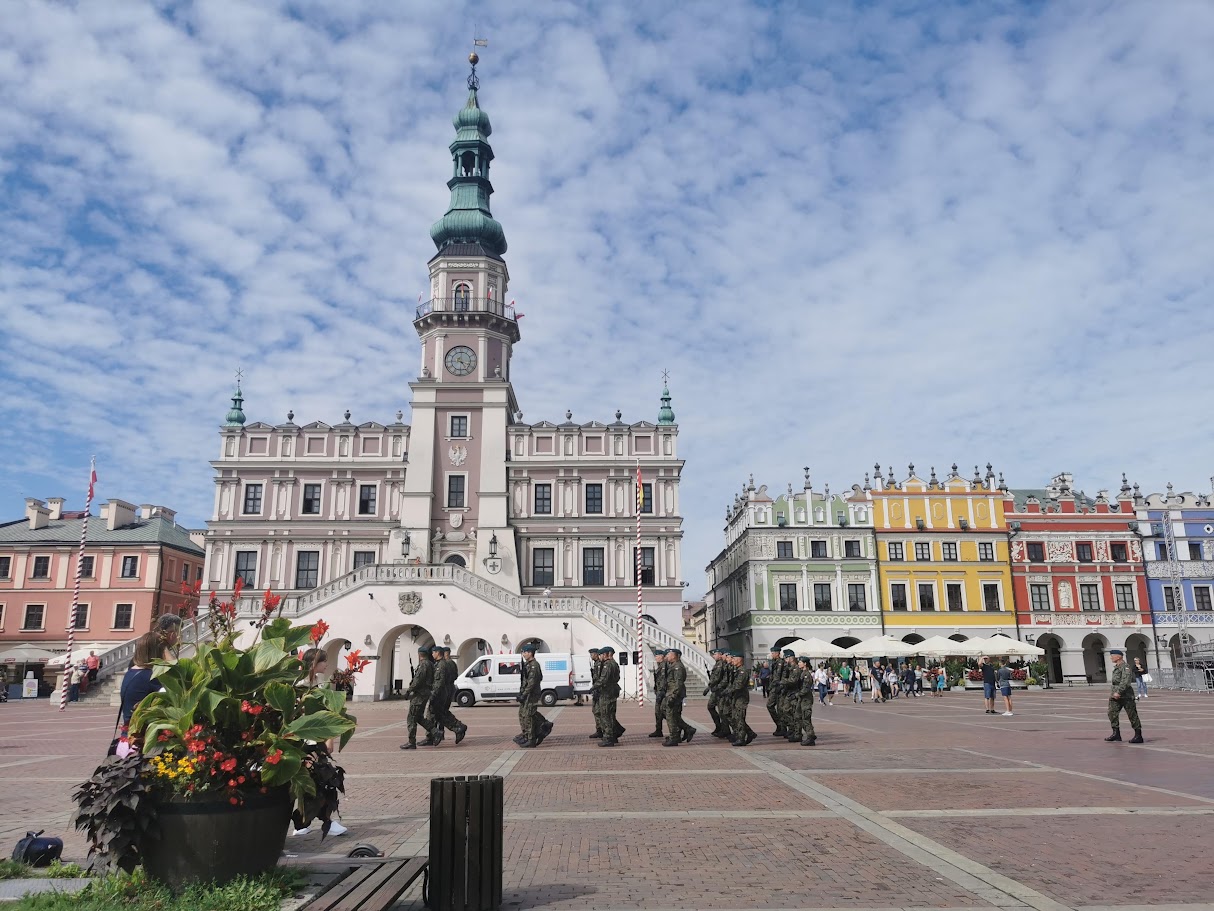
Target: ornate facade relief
1101 551
1065 596
1059 551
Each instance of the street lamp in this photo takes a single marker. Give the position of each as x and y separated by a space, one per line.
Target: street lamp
493 545
404 544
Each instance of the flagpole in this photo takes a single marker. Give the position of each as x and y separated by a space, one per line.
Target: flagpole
640 598
71 623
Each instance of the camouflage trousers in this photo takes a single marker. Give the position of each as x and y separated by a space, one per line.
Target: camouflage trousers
789 710
438 714
605 716
714 710
805 716
659 713
773 704
528 718
675 725
737 716
417 715
1131 710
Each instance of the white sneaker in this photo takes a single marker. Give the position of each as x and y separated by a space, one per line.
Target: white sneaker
336 828
300 831
1005 714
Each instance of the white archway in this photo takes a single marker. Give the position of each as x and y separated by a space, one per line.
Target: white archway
1095 648
398 656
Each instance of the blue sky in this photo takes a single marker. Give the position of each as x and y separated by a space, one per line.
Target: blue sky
896 232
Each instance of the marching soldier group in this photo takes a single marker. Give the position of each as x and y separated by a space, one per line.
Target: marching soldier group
430 695
669 691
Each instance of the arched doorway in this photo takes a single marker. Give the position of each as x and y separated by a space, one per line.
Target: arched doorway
469 650
398 657
1053 655
957 637
845 641
1094 648
1174 649
912 638
1136 647
456 560
784 640
540 644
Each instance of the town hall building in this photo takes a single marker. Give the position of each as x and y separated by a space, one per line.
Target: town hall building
465 527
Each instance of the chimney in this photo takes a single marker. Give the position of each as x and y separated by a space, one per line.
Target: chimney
37 513
56 505
120 513
163 512
146 511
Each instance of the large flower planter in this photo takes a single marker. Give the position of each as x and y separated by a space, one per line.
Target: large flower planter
212 841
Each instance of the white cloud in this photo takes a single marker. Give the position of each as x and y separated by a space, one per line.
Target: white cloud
974 233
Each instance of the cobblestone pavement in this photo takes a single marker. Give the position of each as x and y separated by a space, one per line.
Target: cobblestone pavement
921 803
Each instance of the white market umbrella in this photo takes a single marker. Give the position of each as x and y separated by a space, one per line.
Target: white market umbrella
882 647
25 654
79 653
939 647
970 648
1006 645
817 648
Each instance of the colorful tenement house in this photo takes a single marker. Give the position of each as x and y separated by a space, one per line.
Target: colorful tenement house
1192 518
942 556
798 566
466 527
135 561
1078 575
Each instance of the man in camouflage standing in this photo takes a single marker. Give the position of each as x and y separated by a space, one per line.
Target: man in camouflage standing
676 692
421 688
713 691
439 712
805 705
659 690
775 674
607 699
739 693
529 697
1122 697
596 670
791 684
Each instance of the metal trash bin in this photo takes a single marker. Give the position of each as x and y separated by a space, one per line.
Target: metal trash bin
465 843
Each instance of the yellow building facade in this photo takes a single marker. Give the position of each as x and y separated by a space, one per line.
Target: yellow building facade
942 549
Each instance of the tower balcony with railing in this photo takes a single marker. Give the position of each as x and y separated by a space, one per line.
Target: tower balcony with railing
465 310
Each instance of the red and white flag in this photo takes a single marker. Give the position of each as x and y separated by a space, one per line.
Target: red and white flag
92 482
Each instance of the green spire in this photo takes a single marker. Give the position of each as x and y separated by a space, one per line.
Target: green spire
468 219
665 413
236 412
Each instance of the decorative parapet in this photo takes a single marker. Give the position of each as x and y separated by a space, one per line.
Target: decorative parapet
1189 569
1086 618
810 619
1168 618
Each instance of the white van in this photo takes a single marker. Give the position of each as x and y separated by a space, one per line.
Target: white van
493 677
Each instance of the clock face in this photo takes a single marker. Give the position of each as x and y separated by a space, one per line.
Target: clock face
461 361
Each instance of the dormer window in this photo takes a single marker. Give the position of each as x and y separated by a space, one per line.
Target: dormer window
463 296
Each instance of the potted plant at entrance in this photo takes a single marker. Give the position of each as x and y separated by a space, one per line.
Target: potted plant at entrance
232 745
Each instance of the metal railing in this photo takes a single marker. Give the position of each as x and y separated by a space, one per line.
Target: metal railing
465 305
1189 679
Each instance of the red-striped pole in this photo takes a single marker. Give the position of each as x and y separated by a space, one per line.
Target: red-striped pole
71 622
640 598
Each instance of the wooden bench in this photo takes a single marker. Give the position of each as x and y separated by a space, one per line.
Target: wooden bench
373 885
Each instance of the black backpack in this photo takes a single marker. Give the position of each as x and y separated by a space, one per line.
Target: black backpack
36 850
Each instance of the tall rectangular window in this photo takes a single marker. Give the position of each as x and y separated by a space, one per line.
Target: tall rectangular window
311 500
1089 596
185 571
124 616
784 550
990 596
817 550
788 596
33 616
6 567
1201 597
1119 552
1039 596
455 491
364 558
82 616
923 550
252 499
87 562
1170 599
307 568
366 499
594 499
986 551
459 426
927 596
895 552
822 599
1194 550
897 596
42 568
1161 550
1125 596
1083 552
648 568
130 567
948 551
956 600
246 567
1036 552
543 566
543 499
851 549
592 566
856 596
646 498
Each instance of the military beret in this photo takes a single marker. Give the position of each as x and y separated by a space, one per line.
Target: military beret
529 647
436 648
607 650
805 659
789 653
446 650
595 651
674 651
775 649
1116 651
424 650
662 651
716 651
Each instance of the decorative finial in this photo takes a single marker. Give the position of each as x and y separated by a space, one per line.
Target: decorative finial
290 416
347 414
618 414
236 416
568 414
954 468
826 491
750 482
1125 484
1002 483
497 371
990 473
400 415
807 481
868 484
665 413
934 482
910 468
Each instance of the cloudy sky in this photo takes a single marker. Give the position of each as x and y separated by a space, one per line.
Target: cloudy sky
880 231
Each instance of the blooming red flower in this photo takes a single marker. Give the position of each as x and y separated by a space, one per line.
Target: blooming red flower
270 601
234 801
274 758
238 588
229 765
318 631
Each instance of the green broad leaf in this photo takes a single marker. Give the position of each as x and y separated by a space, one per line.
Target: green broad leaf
320 726
281 697
276 629
334 700
266 656
287 768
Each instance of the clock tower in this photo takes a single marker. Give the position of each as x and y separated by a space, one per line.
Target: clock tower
454 507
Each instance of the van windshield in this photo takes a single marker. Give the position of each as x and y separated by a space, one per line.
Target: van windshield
479 669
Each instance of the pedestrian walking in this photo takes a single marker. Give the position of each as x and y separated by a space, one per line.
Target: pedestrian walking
1004 679
596 673
764 678
713 691
659 690
821 681
857 687
531 725
790 680
739 692
438 712
988 684
1122 699
775 672
676 692
1140 678
608 696
805 704
93 663
918 680
941 681
420 689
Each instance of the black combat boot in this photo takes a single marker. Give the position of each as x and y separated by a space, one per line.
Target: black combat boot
1137 738
609 742
619 731
460 733
657 733
529 744
1115 737
520 739
779 732
669 742
809 741
688 734
411 745
597 735
794 736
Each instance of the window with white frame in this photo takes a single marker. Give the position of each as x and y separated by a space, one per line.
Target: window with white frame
124 616
897 596
252 499
543 566
923 550
1124 593
455 491
851 549
1201 597
82 616
593 565
543 499
311 500
856 596
594 499
246 567
459 426
6 567
35 614
307 568
990 596
986 551
42 568
948 551
86 566
822 598
927 596
1039 596
1089 596
817 550
130 567
894 551
366 499
788 596
956 598
1171 601
784 550
363 558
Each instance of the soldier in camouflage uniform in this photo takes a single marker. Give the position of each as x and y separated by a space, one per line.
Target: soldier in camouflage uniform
607 699
787 708
659 690
439 711
676 692
805 705
596 670
1121 698
713 692
775 674
739 692
421 687
529 697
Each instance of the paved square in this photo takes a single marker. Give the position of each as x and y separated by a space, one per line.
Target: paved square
923 803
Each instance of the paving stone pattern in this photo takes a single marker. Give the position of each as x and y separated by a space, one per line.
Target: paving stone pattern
923 803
